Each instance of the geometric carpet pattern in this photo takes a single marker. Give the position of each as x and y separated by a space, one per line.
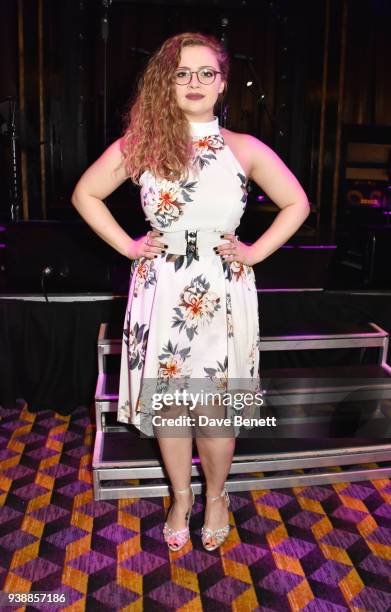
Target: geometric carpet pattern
313 549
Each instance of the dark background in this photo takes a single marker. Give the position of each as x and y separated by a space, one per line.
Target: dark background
322 66
321 81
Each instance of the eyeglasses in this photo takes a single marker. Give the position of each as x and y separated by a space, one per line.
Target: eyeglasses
206 76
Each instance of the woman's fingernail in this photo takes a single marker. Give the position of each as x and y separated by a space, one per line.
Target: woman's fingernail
155 256
163 252
160 233
215 249
166 246
222 236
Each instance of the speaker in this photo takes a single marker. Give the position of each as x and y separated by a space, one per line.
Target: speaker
368 193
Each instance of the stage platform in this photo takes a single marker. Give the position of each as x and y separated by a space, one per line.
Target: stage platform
314 409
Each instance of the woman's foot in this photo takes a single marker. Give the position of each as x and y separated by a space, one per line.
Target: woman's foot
216 526
176 528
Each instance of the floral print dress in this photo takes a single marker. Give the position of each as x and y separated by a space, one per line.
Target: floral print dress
189 317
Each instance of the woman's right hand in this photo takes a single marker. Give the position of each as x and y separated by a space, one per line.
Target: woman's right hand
147 246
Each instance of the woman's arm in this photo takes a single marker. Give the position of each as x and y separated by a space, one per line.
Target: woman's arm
282 187
99 181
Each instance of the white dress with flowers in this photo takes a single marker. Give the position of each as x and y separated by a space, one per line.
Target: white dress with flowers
190 317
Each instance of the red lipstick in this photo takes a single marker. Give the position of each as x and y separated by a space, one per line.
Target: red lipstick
194 96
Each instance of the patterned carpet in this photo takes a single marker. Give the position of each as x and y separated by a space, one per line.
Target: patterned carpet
321 548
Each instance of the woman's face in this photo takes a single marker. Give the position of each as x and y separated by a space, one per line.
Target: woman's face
197 99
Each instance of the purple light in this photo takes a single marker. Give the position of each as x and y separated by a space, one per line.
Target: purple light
2 246
2 228
289 289
314 336
386 212
317 246
309 246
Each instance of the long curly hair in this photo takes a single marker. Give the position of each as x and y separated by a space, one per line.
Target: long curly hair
156 135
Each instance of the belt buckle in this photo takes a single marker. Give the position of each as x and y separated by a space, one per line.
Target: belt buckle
191 243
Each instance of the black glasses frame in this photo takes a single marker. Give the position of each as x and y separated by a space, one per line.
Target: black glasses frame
191 72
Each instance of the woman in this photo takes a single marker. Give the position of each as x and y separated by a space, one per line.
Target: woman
192 309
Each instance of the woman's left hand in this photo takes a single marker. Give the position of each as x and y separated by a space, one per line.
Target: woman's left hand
235 250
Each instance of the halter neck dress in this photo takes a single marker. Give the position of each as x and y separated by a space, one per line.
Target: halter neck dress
190 314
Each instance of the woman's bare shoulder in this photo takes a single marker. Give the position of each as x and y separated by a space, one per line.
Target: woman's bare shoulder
243 140
245 147
231 135
265 167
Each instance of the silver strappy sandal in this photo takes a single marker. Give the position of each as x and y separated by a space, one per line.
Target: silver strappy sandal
177 539
219 535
